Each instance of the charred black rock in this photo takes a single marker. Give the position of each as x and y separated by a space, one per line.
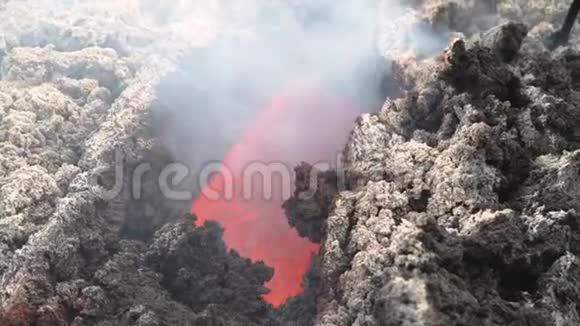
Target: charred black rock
455 214
308 209
505 40
562 36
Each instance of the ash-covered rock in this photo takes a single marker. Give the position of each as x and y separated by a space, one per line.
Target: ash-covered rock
199 272
153 284
505 40
80 242
460 207
461 201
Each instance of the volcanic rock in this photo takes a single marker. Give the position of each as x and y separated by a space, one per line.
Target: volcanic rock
77 245
505 40
460 205
309 207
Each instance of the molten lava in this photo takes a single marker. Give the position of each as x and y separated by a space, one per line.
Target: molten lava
304 124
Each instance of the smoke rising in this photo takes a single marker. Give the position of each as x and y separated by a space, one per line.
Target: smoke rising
270 86
281 81
261 48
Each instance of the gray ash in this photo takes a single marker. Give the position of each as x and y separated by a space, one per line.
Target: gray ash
459 207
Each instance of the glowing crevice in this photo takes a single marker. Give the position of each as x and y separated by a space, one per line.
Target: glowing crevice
303 124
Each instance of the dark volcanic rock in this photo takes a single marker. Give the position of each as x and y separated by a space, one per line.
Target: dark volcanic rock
309 207
81 241
505 40
200 273
461 201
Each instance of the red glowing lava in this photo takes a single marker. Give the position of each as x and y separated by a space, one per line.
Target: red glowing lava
304 124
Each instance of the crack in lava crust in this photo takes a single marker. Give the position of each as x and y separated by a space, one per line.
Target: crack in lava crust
304 123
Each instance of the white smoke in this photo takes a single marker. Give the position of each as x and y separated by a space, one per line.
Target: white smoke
237 54
242 52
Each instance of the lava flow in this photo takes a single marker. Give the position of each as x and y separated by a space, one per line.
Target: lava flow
303 124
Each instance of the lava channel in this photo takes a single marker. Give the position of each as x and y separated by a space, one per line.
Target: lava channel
302 124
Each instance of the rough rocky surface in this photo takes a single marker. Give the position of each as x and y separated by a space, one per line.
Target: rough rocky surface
461 201
314 194
461 196
78 246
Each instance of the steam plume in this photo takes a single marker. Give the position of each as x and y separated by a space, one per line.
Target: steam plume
262 46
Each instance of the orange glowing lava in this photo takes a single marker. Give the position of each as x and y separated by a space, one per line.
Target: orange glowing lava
304 124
